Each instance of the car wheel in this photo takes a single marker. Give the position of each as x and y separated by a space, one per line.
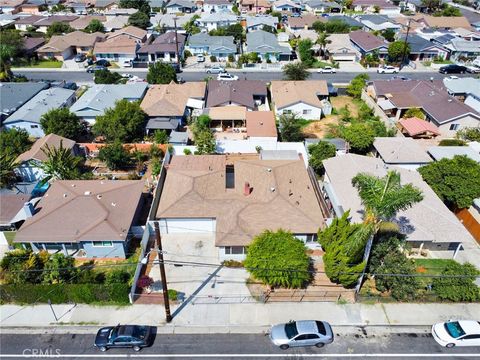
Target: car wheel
319 345
137 348
284 347
103 348
451 345
209 72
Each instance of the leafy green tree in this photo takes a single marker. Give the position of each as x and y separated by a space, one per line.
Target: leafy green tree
160 137
161 73
389 35
205 142
115 156
458 283
235 10
59 269
106 76
414 112
11 47
58 28
140 5
335 26
449 11
204 121
295 71
190 26
467 134
356 85
323 41
253 57
269 29
456 181
360 136
319 152
343 258
235 30
305 52
125 122
139 19
432 5
62 122
61 164
278 259
397 50
277 14
8 164
290 128
94 26
14 141
21 266
318 26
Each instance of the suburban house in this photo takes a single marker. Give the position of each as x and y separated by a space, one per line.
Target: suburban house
121 45
63 47
28 116
444 111
307 99
251 94
132 32
219 46
84 218
163 48
215 21
463 49
449 152
180 6
266 45
255 6
322 6
462 87
116 22
43 24
378 23
99 98
31 45
24 22
421 49
14 209
417 128
261 126
258 22
368 43
11 6
404 152
443 22
234 199
29 169
384 7
340 48
428 224
217 6
167 22
413 5
14 94
82 22
286 6
168 105
303 22
467 34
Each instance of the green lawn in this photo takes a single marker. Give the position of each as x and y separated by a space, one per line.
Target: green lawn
47 64
432 266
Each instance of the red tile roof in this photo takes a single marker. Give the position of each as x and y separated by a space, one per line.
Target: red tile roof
415 126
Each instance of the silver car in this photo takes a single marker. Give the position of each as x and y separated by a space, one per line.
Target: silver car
301 333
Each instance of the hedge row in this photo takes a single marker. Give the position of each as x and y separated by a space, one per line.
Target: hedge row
111 294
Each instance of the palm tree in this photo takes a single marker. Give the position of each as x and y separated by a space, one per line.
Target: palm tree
8 163
6 54
323 41
61 164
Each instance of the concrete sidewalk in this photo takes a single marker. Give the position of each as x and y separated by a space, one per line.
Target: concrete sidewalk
235 318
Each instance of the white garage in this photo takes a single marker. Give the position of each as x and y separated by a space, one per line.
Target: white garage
187 225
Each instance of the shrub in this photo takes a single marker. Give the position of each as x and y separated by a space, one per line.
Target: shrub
232 263
213 58
452 142
319 152
457 288
172 294
118 276
187 152
231 58
160 137
469 134
144 281
187 54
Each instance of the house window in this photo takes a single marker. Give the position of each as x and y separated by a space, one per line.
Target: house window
310 238
102 243
235 250
287 111
454 126
307 111
34 126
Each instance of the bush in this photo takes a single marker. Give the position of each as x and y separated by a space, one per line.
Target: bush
469 134
231 58
118 276
213 58
160 137
187 152
457 288
356 85
319 152
232 263
186 54
172 294
452 142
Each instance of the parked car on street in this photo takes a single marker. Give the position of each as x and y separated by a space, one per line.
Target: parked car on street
326 70
301 333
388 69
94 68
457 333
452 69
80 58
124 336
102 62
215 70
473 69
227 77
200 58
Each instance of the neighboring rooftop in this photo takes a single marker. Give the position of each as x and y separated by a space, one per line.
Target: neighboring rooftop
10 206
14 94
80 39
50 140
367 41
415 127
400 150
241 92
464 85
286 93
166 42
261 124
448 152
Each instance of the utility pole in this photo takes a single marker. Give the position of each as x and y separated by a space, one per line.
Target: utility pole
158 246
406 44
176 44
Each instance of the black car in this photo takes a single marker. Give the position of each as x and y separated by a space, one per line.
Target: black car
453 69
123 336
94 68
102 62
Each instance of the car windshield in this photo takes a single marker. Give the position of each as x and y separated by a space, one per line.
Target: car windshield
291 330
454 329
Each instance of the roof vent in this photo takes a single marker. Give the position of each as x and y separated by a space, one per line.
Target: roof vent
64 195
269 170
114 204
99 196
272 189
73 185
86 193
261 122
247 189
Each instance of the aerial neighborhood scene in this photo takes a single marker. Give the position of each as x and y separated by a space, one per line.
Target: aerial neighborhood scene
240 178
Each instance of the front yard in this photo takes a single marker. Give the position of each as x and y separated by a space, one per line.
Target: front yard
42 64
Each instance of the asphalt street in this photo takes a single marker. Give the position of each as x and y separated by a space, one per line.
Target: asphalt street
234 346
342 77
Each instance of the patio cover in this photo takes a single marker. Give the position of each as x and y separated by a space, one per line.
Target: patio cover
386 105
415 126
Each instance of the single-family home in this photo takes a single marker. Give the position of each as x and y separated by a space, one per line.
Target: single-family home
217 6
384 7
214 21
8 19
322 6
303 22
14 95
106 4
258 22
255 6
82 22
373 22
449 152
340 48
219 46
467 34
132 32
463 49
180 6
266 45
164 48
31 45
443 22
286 6
251 94
461 87
306 99
169 22
415 6
30 160
236 199
11 6
417 128
80 7
28 116
116 22
14 209
64 47
99 98
422 50
404 152
367 43
261 126
428 224
43 24
168 105
88 218
157 5
350 21
24 22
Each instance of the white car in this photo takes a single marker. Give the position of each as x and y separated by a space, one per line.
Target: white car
126 76
200 58
457 333
227 77
388 70
326 70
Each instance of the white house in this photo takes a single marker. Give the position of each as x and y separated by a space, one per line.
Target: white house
403 152
217 6
216 21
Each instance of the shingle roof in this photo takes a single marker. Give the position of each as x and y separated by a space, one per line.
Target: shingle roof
75 38
400 150
262 20
195 187
376 19
446 21
323 4
82 22
56 18
286 93
51 140
366 41
164 43
130 31
214 42
462 86
263 42
306 20
420 45
121 44
231 112
218 17
461 45
449 152
83 210
240 92
10 205
14 95
383 4
261 124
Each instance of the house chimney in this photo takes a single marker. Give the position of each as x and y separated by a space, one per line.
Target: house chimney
28 209
247 189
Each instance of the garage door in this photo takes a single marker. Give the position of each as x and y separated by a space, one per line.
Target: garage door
180 225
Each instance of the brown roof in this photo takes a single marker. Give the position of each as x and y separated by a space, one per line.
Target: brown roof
122 44
306 20
29 20
83 210
286 93
281 196
261 124
171 99
130 31
52 140
10 205
47 21
164 43
83 22
239 92
228 113
30 44
75 39
366 41
450 22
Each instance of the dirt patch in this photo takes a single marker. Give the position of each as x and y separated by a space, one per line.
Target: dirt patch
341 101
